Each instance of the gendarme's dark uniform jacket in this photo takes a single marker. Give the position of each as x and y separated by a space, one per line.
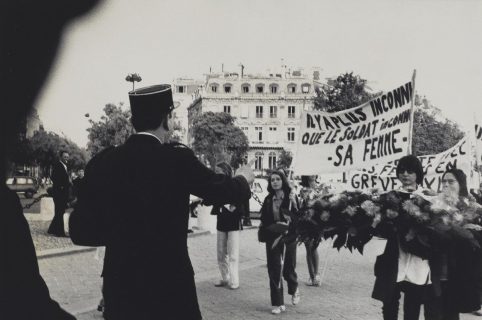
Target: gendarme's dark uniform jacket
147 271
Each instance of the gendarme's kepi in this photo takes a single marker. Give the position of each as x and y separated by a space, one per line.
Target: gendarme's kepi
153 100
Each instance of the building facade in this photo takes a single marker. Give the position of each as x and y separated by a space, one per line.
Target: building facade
266 107
184 91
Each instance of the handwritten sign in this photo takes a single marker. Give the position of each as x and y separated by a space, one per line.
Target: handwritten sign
375 132
478 142
384 176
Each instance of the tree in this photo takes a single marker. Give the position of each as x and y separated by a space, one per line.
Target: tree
44 148
285 159
347 91
114 127
432 133
218 139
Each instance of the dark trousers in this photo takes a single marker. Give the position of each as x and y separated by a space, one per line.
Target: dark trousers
57 225
414 297
171 299
445 305
276 267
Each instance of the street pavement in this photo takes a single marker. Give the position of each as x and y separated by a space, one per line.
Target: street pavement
344 294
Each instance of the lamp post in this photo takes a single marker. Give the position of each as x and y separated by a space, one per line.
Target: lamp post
133 77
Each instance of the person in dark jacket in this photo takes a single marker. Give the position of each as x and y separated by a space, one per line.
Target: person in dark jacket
228 231
404 267
147 271
61 192
462 260
278 209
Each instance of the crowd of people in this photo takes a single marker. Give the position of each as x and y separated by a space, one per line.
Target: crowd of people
446 281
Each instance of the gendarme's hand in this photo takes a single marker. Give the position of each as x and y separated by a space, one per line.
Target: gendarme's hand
246 172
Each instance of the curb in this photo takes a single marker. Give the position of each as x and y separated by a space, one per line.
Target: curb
58 252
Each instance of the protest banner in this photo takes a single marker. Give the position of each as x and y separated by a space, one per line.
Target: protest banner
478 141
384 176
375 132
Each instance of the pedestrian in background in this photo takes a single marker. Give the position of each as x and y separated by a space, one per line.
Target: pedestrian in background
61 193
228 231
308 184
277 211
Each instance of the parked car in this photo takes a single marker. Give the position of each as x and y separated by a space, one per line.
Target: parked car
23 184
259 192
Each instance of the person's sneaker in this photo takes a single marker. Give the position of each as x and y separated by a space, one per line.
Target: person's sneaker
295 298
221 283
232 287
310 282
278 310
317 281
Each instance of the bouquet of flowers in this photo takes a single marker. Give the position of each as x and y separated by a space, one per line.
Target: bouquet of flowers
336 216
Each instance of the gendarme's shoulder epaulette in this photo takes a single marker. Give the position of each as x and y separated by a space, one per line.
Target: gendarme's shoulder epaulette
178 145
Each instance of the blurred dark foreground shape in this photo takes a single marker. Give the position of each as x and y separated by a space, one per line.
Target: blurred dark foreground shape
30 35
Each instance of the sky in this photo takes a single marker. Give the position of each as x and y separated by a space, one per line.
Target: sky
382 41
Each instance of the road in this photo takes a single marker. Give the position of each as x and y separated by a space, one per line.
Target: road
344 294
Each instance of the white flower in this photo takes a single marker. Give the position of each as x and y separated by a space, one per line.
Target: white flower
350 210
370 208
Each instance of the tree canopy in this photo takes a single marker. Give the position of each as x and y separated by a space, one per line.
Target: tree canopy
114 127
345 92
218 139
43 149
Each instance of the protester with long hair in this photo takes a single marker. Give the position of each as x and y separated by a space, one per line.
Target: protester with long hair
278 210
460 265
228 232
399 269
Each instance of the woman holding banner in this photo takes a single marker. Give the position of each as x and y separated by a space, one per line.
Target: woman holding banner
404 266
278 209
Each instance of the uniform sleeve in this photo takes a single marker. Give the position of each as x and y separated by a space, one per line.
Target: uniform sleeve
216 189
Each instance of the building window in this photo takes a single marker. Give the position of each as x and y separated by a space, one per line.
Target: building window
227 88
259 133
292 88
258 164
227 109
272 160
214 88
273 88
245 88
180 89
244 111
272 134
245 130
259 111
273 111
259 88
291 134
305 88
291 111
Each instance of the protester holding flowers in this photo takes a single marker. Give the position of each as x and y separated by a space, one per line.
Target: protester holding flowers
279 209
460 266
405 264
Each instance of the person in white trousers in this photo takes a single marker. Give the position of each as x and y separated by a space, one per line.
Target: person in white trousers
228 228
